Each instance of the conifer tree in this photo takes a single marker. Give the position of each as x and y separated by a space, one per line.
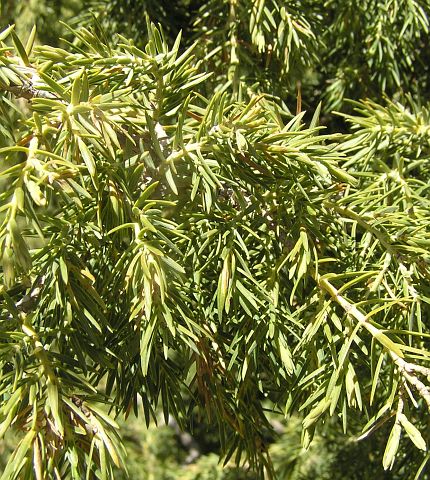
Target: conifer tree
179 235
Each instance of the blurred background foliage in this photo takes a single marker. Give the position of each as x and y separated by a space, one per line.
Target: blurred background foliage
299 52
164 452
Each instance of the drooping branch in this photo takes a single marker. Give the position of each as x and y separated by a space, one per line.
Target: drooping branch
406 369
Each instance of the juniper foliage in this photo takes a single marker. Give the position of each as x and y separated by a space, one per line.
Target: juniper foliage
173 238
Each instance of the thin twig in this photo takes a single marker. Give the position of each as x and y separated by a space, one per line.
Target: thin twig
27 91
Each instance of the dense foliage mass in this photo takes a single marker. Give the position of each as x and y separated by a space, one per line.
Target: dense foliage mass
179 239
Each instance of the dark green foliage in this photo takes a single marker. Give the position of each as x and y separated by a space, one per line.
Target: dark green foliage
128 17
375 47
176 243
